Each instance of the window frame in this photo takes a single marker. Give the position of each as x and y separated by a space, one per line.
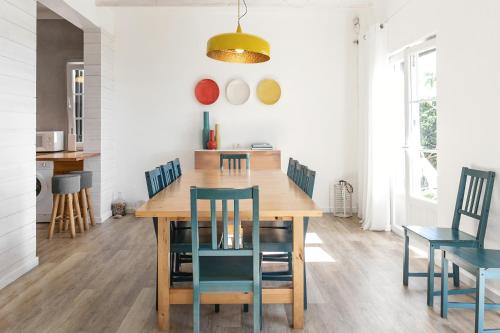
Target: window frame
72 118
407 58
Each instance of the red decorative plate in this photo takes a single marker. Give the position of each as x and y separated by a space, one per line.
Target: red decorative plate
206 91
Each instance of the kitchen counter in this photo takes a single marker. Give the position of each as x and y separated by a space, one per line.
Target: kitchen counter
66 161
65 156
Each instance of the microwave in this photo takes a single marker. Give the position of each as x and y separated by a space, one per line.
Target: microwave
49 141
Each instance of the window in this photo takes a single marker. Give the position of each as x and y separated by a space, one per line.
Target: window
75 75
416 68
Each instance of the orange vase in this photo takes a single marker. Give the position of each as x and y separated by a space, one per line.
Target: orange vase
212 144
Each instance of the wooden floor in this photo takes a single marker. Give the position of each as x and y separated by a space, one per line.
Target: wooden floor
104 281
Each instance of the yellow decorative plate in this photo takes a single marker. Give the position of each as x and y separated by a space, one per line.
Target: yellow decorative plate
268 91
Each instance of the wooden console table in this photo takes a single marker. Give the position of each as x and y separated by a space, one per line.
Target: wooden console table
259 159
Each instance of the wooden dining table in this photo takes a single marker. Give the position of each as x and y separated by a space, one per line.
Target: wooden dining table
280 199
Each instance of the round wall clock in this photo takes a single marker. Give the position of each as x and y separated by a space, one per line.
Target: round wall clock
268 91
237 92
207 91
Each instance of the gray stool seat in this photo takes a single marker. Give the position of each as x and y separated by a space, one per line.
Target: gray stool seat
66 184
85 178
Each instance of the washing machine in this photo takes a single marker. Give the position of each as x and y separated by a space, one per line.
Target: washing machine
44 172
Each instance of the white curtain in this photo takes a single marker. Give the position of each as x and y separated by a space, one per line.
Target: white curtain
375 123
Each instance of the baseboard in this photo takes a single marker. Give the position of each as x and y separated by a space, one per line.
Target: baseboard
103 217
465 277
21 268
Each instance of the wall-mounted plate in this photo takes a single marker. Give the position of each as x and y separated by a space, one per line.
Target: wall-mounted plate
237 92
207 91
268 91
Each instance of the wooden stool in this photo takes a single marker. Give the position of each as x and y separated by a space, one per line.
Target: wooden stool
65 189
85 197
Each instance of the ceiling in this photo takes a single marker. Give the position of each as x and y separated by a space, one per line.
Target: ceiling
284 3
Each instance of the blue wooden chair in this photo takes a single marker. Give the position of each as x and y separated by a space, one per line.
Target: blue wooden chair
226 267
291 167
180 237
279 240
234 161
479 185
173 174
177 168
484 264
166 173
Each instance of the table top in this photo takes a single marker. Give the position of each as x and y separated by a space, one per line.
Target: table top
66 156
278 195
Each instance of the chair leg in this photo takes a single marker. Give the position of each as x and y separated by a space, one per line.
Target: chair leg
256 307
479 325
196 310
55 207
444 286
289 263
456 276
71 216
85 208
430 277
217 308
406 260
62 211
91 207
245 307
78 213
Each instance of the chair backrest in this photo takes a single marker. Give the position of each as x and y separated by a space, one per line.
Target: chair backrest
213 195
291 167
476 187
298 175
177 168
166 174
154 182
172 170
234 161
307 185
308 180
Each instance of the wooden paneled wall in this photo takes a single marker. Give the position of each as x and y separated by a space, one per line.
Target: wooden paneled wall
17 138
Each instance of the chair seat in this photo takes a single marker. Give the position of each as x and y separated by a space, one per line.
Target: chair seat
237 268
480 258
271 239
441 235
269 224
181 239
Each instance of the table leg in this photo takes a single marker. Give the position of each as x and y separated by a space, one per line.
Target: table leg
163 273
298 272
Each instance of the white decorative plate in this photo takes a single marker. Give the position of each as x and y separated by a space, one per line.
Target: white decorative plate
237 92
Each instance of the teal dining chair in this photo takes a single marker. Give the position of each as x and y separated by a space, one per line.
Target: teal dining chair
177 168
166 174
479 187
279 240
291 167
227 265
234 161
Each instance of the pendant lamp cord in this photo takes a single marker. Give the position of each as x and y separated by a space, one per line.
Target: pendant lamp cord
246 10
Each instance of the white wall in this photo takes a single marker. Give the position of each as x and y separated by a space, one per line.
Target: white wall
160 55
468 86
17 138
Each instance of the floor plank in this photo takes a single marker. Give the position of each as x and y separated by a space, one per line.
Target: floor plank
103 281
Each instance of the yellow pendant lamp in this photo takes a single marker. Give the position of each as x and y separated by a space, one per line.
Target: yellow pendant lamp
238 46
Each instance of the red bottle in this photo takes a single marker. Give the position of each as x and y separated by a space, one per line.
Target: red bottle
212 144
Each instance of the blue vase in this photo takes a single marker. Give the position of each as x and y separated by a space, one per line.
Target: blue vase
205 136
